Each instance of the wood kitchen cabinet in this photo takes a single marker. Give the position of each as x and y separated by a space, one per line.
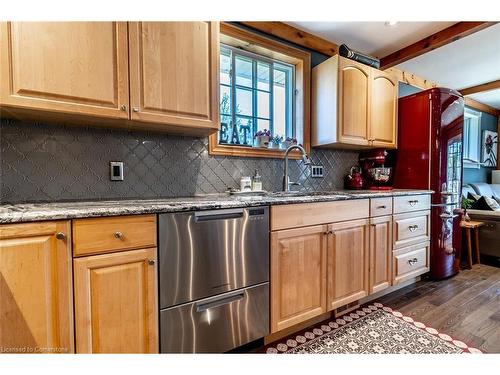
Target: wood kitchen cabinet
380 253
383 110
36 289
79 71
298 275
348 257
353 102
353 105
173 73
116 302
65 67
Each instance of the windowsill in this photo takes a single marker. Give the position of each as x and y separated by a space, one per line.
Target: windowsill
252 152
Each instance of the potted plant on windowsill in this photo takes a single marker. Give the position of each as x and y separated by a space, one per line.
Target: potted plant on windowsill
275 142
288 142
262 138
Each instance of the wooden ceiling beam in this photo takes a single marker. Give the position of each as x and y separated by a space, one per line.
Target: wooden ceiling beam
424 84
294 35
481 88
436 40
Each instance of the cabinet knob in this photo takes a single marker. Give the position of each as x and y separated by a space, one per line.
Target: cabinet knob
60 236
135 109
151 262
123 108
118 235
411 262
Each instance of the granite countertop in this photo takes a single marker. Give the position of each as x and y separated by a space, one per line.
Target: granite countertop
27 212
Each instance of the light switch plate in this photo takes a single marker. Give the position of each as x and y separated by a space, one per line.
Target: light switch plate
116 170
316 171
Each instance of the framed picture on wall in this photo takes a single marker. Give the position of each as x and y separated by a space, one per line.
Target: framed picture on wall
490 148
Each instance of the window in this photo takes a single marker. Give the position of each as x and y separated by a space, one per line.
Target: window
264 84
256 93
472 130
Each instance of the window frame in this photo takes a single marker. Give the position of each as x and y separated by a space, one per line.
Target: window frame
246 41
274 65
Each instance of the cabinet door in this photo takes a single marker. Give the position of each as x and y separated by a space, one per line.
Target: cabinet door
383 118
36 299
174 70
298 275
347 262
67 67
380 253
116 303
353 102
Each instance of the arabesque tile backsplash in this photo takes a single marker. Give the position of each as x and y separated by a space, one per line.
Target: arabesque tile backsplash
49 162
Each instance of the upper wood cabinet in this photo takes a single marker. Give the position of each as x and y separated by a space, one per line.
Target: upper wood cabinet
383 115
173 72
116 303
80 71
347 262
298 275
36 298
353 105
353 102
69 67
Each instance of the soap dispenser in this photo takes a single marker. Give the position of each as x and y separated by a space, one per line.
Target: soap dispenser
257 181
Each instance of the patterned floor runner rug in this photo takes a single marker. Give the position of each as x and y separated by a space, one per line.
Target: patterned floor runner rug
373 329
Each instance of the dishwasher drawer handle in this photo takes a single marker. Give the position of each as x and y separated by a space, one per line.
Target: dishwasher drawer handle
218 215
217 302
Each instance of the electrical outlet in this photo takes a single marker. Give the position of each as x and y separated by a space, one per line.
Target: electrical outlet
316 171
116 170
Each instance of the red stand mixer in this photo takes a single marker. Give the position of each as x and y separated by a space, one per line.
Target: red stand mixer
377 169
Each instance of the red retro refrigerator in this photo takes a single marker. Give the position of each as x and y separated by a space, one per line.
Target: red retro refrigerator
429 156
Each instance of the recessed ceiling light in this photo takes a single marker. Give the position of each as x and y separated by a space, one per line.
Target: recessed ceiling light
391 23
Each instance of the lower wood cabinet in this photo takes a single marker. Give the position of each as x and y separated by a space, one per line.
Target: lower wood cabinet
36 290
116 302
347 262
380 253
298 275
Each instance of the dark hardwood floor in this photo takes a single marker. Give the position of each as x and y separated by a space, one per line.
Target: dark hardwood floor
466 307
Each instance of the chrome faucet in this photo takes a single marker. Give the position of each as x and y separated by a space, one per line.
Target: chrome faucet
305 159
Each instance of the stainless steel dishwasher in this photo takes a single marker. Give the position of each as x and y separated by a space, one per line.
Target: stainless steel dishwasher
214 279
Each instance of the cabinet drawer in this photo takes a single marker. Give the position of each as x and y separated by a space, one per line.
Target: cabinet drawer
411 203
110 234
410 228
410 262
304 214
380 206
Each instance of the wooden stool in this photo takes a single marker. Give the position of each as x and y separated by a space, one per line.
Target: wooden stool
469 226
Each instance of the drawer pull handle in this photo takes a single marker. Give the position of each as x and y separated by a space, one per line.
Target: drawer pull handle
60 236
118 235
413 261
382 207
151 262
328 232
413 228
413 202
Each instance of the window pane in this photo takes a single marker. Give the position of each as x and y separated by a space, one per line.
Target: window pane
262 124
244 72
225 99
279 109
245 131
263 99
263 72
225 66
244 102
225 129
